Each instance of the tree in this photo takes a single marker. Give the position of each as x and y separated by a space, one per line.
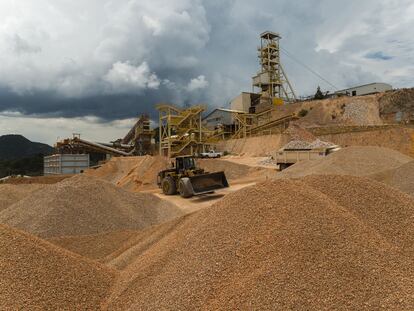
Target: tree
319 94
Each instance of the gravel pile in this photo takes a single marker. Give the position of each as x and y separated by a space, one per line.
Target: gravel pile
357 161
279 245
10 194
95 246
401 178
84 205
36 275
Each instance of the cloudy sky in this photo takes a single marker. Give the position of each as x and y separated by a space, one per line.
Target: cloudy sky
91 66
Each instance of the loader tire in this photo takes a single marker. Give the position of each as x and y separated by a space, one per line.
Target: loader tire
168 186
183 188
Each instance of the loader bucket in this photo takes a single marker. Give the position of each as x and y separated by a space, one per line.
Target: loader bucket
206 183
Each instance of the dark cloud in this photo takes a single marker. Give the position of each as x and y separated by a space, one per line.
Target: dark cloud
122 57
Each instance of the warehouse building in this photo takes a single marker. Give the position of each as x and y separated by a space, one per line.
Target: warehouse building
365 89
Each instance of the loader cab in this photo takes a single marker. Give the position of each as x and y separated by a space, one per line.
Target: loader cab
185 163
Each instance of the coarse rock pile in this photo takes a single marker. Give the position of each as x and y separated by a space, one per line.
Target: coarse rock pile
301 144
356 160
322 243
84 205
361 112
10 194
401 177
36 275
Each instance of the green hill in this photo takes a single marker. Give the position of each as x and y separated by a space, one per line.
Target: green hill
14 147
20 156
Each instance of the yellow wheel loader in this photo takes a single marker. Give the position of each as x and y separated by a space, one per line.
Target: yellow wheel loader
186 179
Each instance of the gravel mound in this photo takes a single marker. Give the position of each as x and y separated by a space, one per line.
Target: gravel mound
356 160
386 210
279 245
84 205
36 275
10 194
95 246
401 178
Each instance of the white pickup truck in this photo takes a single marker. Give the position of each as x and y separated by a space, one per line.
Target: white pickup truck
211 154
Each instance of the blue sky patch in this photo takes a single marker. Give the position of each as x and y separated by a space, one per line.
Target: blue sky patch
378 55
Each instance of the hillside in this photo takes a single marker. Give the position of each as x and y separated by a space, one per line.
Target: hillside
14 147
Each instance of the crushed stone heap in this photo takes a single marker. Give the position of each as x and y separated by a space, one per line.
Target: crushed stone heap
319 243
36 275
84 205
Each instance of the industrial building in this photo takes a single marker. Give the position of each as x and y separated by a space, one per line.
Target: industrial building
245 101
220 117
365 89
61 164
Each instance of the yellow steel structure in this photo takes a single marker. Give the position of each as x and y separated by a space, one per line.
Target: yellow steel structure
272 79
180 130
260 123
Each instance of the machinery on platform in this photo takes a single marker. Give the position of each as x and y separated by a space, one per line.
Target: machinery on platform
188 180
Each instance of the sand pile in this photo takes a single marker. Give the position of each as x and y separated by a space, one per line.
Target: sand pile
131 173
10 194
85 205
357 161
272 247
401 178
36 275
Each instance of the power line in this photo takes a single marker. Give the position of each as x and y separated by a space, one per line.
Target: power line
307 67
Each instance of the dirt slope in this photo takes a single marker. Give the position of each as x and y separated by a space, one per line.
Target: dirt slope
84 205
357 161
273 247
36 275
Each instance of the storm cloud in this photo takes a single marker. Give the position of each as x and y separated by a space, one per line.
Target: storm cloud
114 59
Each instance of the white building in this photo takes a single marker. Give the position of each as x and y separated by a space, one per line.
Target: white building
58 164
366 89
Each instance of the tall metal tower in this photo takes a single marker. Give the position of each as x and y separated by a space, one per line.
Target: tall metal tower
272 80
